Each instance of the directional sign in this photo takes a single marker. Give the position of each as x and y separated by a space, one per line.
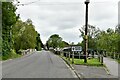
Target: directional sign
76 48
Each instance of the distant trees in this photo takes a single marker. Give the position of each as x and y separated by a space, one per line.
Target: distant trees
55 41
39 43
64 44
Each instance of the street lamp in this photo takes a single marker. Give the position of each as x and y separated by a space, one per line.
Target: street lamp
86 29
88 1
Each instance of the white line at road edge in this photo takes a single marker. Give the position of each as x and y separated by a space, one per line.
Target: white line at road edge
75 76
73 70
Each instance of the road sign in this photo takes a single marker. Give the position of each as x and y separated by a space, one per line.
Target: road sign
76 48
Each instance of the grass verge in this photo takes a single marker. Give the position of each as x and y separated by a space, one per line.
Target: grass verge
90 62
118 61
16 56
0 58
13 56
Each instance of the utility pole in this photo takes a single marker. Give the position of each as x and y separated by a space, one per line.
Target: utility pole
86 30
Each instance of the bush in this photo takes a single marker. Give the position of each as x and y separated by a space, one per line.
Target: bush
11 55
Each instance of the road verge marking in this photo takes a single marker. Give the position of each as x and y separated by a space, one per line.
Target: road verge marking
106 69
80 77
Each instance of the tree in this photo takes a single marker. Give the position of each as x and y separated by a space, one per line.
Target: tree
9 18
39 43
93 32
0 31
108 40
117 31
63 44
25 36
54 41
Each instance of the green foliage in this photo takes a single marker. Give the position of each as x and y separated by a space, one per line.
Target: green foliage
11 56
28 37
108 40
0 29
117 30
55 41
0 57
0 46
25 36
90 62
63 44
9 18
93 32
38 43
8 14
79 44
16 34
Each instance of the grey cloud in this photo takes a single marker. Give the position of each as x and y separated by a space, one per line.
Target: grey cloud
119 12
63 19
71 35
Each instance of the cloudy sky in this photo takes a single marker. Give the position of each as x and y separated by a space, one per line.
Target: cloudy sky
65 17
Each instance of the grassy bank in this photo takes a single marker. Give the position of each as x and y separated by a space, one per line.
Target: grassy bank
11 57
0 58
90 62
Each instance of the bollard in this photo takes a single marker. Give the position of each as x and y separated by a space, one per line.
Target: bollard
118 56
106 54
99 57
93 54
102 59
72 57
79 55
114 55
66 55
61 53
69 56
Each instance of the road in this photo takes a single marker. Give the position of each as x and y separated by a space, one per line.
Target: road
42 64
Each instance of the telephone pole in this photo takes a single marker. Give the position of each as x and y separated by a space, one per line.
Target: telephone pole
86 30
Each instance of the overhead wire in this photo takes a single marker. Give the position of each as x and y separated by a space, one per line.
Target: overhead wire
18 3
58 3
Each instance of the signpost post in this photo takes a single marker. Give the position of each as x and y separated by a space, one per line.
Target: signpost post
75 49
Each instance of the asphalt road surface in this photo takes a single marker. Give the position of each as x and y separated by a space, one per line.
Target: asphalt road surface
42 64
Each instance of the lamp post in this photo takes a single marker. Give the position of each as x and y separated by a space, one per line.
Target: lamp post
86 29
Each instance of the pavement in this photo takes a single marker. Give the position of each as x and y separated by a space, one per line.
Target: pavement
111 65
94 72
43 64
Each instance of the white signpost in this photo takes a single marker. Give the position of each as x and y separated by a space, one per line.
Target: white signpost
76 48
